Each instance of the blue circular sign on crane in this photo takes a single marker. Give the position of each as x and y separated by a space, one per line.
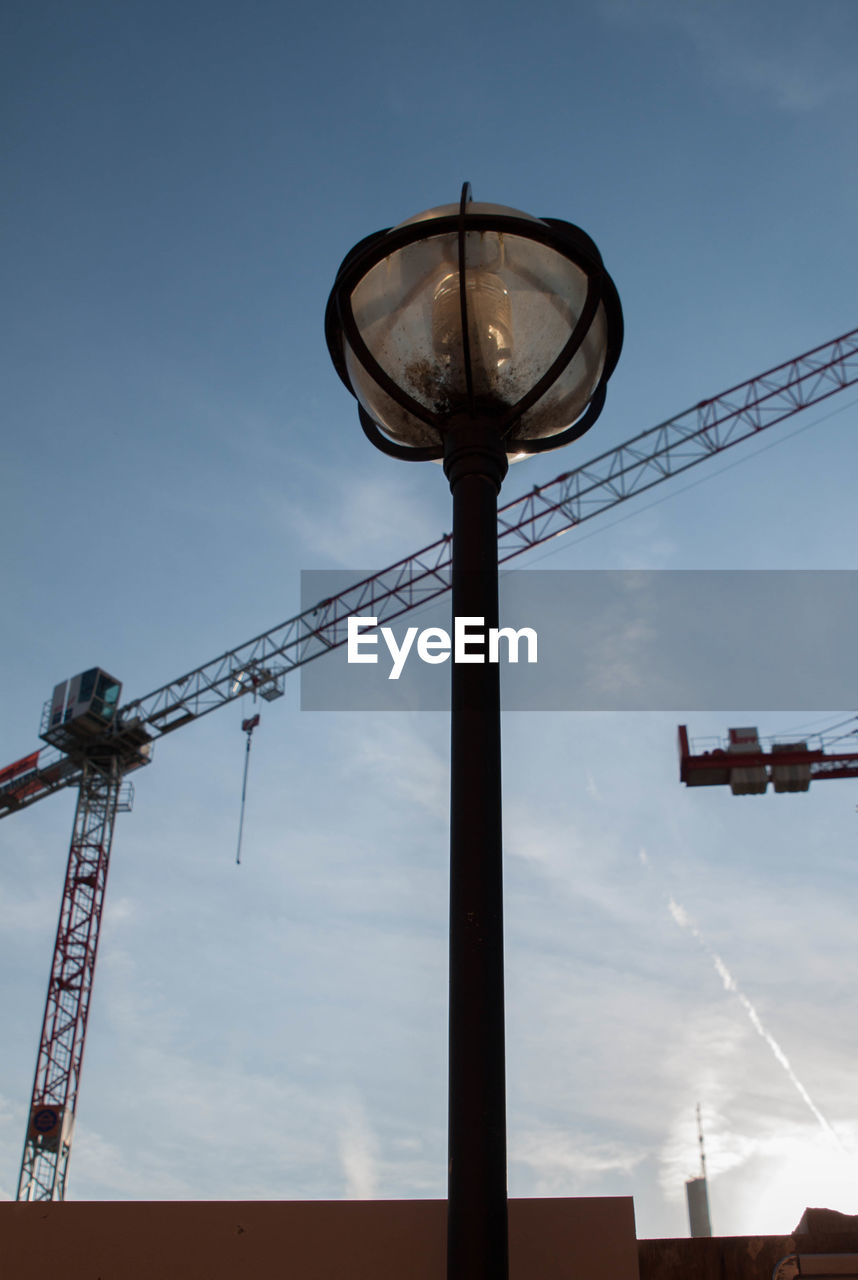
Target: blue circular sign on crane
46 1119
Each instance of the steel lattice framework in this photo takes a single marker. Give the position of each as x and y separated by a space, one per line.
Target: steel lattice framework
55 1088
260 665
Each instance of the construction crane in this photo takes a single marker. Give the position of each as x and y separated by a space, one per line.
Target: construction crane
741 763
92 742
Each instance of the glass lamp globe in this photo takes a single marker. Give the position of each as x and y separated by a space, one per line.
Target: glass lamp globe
475 311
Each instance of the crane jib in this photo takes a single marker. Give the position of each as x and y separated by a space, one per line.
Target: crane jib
648 459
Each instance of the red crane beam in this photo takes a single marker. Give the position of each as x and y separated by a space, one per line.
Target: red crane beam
788 766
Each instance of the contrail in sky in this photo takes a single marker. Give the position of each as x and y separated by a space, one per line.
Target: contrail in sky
683 919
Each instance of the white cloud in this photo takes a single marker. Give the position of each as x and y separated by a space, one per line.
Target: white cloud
562 1163
23 912
401 757
726 1147
797 1169
120 1172
364 518
233 1133
358 1150
118 909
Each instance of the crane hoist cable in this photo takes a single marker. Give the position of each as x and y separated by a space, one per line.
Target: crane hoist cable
248 726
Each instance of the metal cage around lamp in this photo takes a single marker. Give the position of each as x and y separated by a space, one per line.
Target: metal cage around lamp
477 312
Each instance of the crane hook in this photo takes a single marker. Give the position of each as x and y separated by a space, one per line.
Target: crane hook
248 726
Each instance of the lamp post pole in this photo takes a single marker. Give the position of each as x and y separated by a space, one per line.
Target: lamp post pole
475 333
475 464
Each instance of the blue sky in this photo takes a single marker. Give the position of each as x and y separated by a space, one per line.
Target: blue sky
182 182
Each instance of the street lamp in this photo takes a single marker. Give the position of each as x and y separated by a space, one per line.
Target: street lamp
472 334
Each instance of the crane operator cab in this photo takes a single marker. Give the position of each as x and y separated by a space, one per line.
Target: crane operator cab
80 708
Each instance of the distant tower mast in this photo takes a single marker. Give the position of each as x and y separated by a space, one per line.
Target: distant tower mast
700 1140
695 1190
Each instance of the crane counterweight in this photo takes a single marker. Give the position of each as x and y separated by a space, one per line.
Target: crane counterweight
747 769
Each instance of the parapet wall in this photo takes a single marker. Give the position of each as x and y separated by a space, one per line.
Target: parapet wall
303 1240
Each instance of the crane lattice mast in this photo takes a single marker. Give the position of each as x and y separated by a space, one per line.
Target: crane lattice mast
101 796
98 763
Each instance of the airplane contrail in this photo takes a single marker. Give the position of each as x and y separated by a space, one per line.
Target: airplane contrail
683 919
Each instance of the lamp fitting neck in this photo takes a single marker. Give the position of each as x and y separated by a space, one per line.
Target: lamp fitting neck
473 447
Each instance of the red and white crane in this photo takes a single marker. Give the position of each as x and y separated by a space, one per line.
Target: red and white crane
92 742
742 763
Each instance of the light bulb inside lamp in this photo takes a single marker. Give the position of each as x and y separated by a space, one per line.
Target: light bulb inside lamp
490 341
